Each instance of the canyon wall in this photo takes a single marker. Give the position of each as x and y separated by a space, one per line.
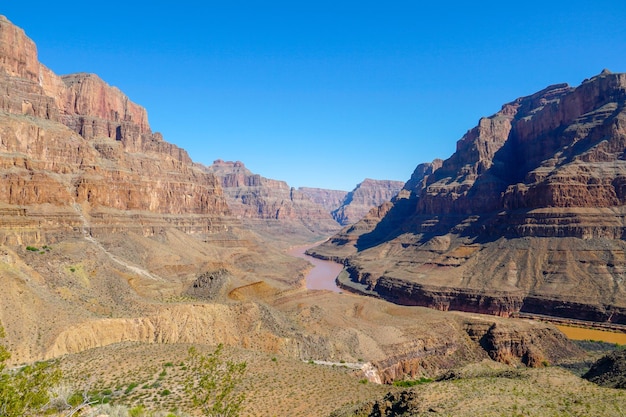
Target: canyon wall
527 215
278 206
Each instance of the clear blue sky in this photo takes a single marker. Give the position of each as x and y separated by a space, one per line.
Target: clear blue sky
325 94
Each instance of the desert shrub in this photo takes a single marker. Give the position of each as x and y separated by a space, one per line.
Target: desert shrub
212 381
137 411
32 248
412 383
25 391
130 387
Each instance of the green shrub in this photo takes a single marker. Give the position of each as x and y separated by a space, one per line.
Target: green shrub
25 391
32 248
136 411
412 383
131 387
211 383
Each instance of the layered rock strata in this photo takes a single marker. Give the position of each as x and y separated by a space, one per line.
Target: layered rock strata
527 215
252 197
365 196
329 199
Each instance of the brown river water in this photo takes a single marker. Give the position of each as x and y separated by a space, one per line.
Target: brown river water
323 274
579 333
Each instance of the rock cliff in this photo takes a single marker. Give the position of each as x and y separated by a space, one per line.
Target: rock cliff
254 198
527 215
329 199
96 197
365 196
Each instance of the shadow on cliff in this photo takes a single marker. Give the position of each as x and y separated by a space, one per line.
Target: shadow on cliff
476 215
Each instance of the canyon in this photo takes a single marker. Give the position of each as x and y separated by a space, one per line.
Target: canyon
526 216
110 236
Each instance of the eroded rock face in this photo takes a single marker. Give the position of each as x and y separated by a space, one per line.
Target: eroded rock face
609 371
528 213
80 168
365 196
251 196
112 160
329 199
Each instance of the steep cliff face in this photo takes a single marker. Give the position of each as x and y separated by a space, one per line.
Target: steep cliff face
103 203
252 197
365 196
527 213
111 160
329 199
347 241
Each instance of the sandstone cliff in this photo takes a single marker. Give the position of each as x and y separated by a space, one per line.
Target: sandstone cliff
526 215
281 209
329 199
344 243
365 196
95 208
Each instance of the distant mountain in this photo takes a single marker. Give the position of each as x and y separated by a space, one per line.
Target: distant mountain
527 215
329 199
256 199
347 208
366 195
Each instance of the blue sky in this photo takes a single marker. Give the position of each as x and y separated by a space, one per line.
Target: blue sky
325 94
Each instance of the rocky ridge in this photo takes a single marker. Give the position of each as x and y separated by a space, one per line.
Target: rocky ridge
254 198
527 215
329 199
366 195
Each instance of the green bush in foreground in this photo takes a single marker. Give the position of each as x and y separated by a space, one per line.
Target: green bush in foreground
25 391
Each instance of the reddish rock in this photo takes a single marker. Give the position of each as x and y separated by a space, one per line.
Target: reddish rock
365 196
329 199
251 196
527 213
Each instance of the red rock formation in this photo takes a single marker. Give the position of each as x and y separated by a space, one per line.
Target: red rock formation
76 140
329 199
528 213
366 195
251 196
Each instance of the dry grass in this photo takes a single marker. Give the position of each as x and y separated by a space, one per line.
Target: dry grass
140 374
497 390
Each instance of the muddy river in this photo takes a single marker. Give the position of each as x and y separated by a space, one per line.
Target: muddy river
323 274
578 333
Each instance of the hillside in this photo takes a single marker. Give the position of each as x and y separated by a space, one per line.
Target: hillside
527 215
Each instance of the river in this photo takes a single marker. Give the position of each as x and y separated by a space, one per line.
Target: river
579 333
322 277
323 274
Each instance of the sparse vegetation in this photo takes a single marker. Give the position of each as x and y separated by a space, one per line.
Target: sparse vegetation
25 391
412 382
212 382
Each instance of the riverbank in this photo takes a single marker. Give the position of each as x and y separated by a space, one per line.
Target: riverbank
323 274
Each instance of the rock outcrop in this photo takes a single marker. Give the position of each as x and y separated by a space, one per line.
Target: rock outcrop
527 215
365 196
329 199
609 371
254 198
